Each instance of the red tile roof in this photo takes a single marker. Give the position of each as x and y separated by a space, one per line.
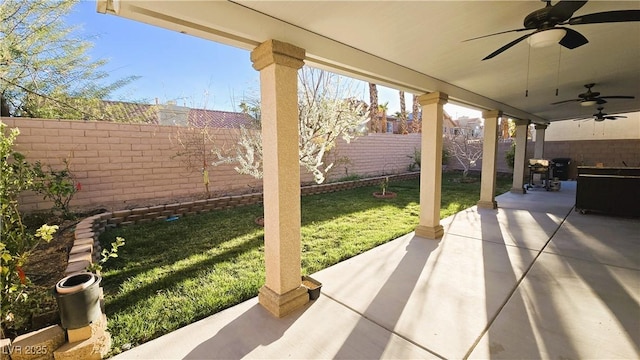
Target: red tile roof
218 119
135 112
128 112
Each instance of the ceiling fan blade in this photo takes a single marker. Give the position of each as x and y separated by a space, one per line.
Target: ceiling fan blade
617 97
606 17
498 33
565 101
610 117
573 39
497 52
564 10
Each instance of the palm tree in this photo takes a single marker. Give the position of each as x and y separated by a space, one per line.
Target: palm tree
403 114
417 116
382 108
373 107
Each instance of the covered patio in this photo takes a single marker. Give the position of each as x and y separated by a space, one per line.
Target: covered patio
533 279
519 276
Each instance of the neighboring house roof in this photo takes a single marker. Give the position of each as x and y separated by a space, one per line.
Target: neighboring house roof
447 123
218 119
125 111
466 122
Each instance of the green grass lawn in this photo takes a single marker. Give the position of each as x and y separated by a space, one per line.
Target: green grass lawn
170 274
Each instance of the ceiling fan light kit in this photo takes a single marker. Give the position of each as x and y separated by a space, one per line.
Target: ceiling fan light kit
546 37
547 23
588 103
591 98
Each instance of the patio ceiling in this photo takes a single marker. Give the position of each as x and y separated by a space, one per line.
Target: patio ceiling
417 46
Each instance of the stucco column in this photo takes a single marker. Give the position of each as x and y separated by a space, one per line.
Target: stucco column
278 64
520 160
538 148
489 157
431 165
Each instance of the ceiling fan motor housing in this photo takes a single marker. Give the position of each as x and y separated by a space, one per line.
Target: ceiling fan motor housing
541 19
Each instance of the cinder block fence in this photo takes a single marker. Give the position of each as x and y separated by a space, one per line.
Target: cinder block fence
128 166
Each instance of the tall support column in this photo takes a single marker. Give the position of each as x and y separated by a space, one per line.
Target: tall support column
278 64
520 158
538 149
489 158
431 165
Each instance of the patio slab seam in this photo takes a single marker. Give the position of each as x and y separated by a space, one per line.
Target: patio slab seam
515 287
491 241
593 261
392 331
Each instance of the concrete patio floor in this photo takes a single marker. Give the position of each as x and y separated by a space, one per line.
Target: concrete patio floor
532 279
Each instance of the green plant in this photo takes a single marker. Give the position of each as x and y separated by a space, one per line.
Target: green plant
349 178
510 155
57 186
17 241
46 67
106 255
416 157
446 155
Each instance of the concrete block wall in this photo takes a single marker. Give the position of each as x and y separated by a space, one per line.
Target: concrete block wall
501 163
374 154
126 166
611 153
121 165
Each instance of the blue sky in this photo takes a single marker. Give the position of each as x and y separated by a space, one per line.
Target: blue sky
173 66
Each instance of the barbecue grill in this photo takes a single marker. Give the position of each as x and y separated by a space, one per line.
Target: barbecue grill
544 168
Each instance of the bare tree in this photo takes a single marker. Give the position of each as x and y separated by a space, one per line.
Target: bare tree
196 144
327 112
465 148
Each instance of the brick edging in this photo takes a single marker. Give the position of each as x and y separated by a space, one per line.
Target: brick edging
86 247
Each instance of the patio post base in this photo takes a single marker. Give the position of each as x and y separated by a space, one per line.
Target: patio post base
487 204
430 232
518 190
282 304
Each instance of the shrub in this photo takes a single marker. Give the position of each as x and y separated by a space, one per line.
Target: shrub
57 186
416 157
16 240
510 155
445 155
